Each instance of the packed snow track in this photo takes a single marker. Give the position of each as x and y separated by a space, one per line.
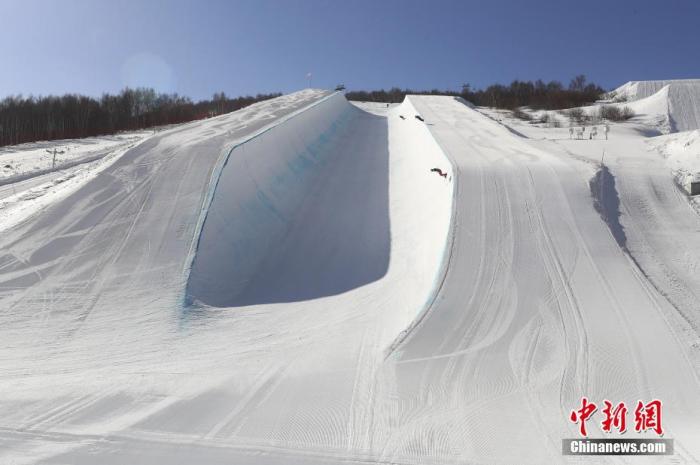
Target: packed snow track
292 284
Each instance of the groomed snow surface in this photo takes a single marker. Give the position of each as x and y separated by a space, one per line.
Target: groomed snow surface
291 284
31 177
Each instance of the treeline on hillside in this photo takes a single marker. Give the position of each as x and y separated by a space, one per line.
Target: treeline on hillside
538 94
393 95
28 119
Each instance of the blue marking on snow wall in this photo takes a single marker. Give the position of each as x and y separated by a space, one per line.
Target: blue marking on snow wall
258 212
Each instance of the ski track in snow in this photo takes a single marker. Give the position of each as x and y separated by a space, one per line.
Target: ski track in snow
469 342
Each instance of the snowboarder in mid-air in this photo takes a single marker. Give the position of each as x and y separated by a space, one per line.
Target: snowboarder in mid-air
440 172
419 117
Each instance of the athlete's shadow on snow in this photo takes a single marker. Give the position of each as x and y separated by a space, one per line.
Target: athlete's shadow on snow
337 240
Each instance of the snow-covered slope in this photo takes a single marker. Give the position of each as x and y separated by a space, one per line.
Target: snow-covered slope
19 162
26 197
540 307
682 151
678 101
348 227
30 177
491 301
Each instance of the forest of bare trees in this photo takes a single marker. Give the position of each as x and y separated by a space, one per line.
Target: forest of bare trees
28 119
539 95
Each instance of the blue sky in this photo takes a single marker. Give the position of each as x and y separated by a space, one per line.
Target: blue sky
196 48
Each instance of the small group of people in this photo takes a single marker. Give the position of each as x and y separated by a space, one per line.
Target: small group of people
592 134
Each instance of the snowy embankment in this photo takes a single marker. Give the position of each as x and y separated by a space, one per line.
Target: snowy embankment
682 153
322 203
31 179
21 199
675 104
20 162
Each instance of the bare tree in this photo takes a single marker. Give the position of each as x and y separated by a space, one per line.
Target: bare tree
26 119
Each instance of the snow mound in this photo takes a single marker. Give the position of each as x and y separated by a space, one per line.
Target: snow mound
682 153
676 101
